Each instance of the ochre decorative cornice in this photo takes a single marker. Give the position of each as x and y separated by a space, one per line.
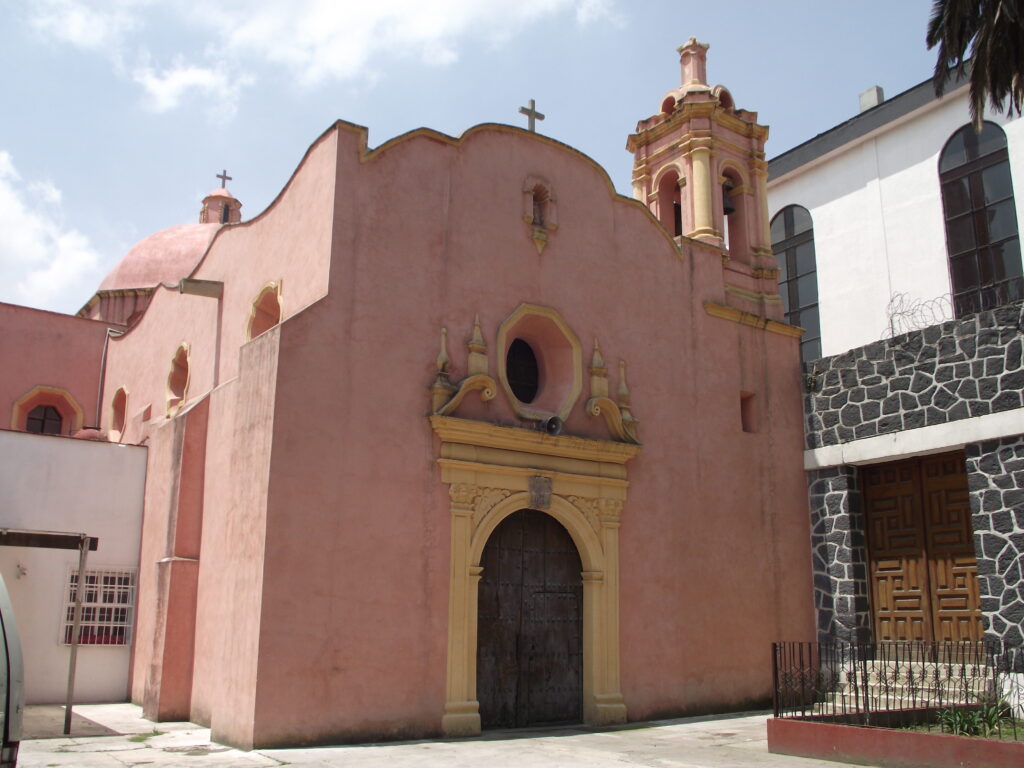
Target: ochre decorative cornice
755 321
484 435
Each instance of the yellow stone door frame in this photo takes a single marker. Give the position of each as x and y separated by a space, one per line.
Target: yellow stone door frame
492 472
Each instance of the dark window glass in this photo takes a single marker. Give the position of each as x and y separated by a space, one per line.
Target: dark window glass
793 246
996 183
954 155
801 220
522 371
981 220
957 197
44 420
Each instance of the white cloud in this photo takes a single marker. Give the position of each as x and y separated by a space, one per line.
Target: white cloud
96 26
40 258
319 39
167 88
313 40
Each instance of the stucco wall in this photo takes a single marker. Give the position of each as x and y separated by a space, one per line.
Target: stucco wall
41 348
60 484
354 626
877 214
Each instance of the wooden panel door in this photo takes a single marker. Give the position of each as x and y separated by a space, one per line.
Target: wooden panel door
952 567
924 583
530 625
896 544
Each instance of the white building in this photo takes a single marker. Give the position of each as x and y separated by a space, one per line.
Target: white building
872 188
54 483
898 231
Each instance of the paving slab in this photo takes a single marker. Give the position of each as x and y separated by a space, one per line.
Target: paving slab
721 741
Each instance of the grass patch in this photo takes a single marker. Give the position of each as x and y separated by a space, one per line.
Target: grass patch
140 737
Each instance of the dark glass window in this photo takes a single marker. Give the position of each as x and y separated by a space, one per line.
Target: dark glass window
44 420
793 246
981 220
522 371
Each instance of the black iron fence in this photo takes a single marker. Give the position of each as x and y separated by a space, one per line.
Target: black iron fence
963 688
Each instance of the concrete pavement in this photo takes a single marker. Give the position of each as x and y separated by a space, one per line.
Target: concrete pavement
733 741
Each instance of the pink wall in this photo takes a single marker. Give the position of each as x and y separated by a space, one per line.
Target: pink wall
322 595
41 348
357 520
231 581
140 361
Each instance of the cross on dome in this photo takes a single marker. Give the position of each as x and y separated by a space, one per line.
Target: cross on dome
224 178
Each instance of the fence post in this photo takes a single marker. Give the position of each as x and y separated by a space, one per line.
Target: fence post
775 678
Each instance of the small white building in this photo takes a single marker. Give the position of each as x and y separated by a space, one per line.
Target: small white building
54 483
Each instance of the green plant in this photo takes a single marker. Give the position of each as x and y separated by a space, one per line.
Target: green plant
140 737
984 720
960 722
991 716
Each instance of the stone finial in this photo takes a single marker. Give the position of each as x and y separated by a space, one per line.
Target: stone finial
693 62
598 374
441 390
443 360
477 350
627 415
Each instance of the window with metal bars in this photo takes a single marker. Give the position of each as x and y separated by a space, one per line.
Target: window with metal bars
793 246
982 241
108 603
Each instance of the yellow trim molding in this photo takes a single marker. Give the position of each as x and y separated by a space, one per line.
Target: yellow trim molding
492 472
44 395
274 288
575 386
756 321
173 402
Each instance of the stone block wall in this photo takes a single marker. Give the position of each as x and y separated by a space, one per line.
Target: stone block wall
943 373
839 555
995 476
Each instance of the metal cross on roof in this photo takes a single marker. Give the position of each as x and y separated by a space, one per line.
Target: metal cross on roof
224 178
532 114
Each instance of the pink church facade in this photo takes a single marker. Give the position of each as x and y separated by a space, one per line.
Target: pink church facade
351 399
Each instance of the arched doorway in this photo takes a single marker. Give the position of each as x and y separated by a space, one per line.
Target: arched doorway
530 624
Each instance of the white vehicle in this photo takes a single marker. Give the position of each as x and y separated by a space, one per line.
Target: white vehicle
12 682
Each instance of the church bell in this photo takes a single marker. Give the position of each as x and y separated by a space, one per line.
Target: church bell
727 206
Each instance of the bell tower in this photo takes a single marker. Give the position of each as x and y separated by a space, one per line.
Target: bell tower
699 165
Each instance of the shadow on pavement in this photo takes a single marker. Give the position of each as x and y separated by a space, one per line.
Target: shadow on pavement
46 721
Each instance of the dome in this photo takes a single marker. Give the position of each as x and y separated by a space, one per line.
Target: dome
164 257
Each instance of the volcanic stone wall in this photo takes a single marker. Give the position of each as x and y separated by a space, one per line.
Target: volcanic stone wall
995 475
945 373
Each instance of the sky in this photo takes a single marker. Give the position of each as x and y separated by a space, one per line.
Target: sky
115 115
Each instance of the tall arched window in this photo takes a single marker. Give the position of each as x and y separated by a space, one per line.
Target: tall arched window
981 220
793 246
670 210
265 312
177 379
118 408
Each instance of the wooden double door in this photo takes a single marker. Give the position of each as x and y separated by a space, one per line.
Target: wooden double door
530 625
921 561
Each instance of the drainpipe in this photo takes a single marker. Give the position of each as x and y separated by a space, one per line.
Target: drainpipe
103 374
